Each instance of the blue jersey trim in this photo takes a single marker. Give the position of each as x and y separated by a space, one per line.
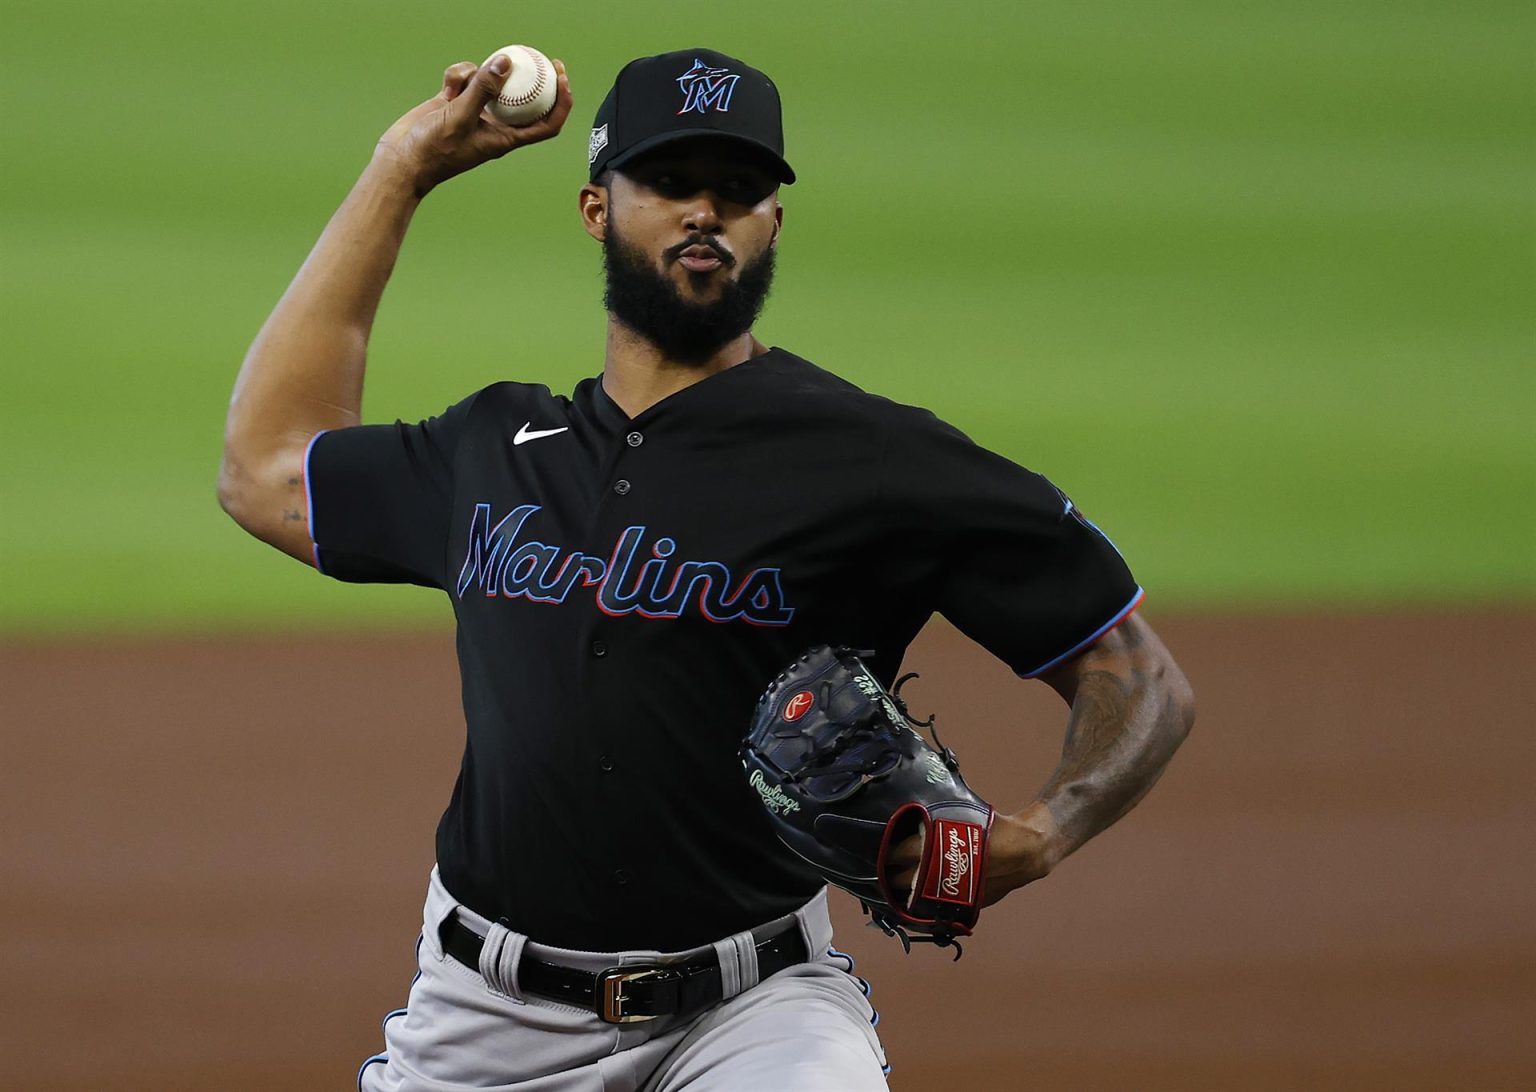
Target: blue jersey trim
1121 616
1095 526
309 503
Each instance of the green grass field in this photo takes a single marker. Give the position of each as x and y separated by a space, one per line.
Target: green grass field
1252 282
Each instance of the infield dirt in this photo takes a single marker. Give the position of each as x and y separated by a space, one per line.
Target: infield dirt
216 850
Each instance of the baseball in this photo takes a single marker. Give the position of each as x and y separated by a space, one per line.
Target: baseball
529 90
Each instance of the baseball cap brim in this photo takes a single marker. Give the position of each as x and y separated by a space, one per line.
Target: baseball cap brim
760 151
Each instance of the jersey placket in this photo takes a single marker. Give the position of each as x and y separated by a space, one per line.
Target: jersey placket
619 501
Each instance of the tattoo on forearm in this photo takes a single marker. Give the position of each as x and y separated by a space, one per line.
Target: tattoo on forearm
1123 730
292 516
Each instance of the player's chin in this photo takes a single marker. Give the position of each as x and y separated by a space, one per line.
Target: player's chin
705 284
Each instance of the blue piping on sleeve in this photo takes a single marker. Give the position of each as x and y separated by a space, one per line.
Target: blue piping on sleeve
1101 631
1067 511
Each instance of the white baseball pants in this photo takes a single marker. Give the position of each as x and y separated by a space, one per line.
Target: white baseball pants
810 1027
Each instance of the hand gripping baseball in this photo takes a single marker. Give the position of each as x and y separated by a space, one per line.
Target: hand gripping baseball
453 131
845 778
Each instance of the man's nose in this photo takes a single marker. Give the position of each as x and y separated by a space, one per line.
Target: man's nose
701 216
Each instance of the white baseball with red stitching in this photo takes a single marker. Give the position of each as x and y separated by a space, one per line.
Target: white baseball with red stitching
528 93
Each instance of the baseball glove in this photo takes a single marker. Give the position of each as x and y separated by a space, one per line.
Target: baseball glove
844 776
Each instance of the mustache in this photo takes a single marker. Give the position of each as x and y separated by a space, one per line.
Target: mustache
673 253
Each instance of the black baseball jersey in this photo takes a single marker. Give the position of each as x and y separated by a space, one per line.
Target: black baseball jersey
626 588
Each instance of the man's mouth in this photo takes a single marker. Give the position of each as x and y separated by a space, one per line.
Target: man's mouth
702 258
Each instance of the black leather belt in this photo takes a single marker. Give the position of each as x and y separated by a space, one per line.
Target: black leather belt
635 991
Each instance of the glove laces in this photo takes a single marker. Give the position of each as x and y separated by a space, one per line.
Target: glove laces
931 723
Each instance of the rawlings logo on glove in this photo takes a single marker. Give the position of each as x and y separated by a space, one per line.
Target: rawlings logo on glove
774 798
845 776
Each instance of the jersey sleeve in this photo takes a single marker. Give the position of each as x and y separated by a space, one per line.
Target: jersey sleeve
379 499
999 550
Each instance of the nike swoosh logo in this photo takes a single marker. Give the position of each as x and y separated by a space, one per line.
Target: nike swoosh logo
525 434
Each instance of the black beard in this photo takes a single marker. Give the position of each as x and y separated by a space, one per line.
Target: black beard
650 305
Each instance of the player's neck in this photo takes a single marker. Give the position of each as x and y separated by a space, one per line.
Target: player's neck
637 375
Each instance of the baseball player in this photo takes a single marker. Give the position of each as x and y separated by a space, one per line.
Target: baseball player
629 565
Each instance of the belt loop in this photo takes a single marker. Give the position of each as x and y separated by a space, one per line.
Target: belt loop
738 963
439 908
815 922
746 950
499 959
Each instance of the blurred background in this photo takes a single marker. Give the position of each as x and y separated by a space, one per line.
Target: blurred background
1252 282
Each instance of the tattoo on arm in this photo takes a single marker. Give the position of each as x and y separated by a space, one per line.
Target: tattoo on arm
1123 729
292 516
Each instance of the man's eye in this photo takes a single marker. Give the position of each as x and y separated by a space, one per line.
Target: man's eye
673 185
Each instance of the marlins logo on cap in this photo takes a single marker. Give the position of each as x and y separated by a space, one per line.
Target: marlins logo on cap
689 94
704 87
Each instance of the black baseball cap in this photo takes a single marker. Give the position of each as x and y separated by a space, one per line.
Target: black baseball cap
685 95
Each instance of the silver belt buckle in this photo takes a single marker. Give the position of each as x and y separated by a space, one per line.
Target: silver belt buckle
610 991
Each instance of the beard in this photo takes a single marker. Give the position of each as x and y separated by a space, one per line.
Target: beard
648 302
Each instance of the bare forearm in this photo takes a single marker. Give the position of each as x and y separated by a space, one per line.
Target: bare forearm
1124 727
304 371
305 367
1131 708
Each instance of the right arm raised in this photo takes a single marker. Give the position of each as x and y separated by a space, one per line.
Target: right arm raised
304 371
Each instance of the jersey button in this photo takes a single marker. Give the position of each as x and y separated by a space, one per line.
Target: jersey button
634 439
621 487
599 648
620 877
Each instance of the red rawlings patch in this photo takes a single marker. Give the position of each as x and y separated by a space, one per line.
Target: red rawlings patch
954 852
799 705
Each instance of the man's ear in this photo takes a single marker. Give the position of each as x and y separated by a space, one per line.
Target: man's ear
778 222
592 200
